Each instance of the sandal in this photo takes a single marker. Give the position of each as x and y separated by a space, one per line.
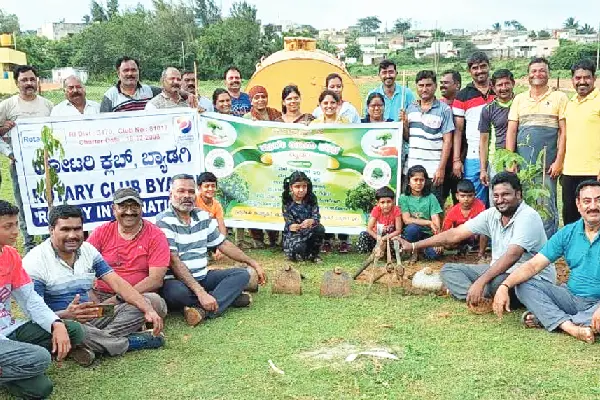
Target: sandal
530 321
585 334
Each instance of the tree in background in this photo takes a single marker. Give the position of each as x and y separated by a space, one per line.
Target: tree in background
97 12
497 27
571 23
112 8
586 30
532 35
327 46
206 12
9 23
543 34
569 53
402 25
369 25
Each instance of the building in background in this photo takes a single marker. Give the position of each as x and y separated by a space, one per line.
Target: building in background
60 74
9 58
59 30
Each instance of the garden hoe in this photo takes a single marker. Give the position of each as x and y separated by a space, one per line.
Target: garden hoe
335 283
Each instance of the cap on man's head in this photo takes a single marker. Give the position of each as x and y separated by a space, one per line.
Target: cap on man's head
125 194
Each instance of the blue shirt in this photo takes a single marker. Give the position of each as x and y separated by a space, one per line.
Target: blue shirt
393 105
241 106
581 255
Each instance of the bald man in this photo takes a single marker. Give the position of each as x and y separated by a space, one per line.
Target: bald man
170 97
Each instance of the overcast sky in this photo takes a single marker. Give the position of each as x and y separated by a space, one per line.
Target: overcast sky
467 14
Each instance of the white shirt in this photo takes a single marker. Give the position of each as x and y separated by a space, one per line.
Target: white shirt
347 110
65 108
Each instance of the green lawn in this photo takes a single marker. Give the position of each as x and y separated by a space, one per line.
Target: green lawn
445 352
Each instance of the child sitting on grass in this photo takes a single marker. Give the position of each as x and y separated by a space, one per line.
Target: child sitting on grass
420 211
468 207
385 214
207 187
302 234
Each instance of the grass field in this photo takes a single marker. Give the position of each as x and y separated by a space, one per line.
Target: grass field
445 352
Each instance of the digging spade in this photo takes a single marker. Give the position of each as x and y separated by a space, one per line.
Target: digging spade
335 283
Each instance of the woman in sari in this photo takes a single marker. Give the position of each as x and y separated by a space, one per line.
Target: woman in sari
290 106
260 111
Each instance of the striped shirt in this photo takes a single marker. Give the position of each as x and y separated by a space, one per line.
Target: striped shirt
190 241
56 281
426 132
468 105
115 101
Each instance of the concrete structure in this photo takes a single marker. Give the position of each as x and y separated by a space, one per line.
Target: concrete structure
445 49
60 74
301 64
59 30
373 55
519 46
9 58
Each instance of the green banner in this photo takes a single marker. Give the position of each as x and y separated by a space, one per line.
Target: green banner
346 164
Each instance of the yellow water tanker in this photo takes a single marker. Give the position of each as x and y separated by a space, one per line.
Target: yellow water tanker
301 64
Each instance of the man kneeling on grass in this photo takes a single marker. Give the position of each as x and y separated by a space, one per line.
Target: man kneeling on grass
517 234
190 232
63 269
574 307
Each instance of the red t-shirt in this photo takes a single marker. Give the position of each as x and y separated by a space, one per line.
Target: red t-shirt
456 218
388 220
131 259
12 277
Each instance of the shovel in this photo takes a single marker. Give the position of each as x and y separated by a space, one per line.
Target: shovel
287 281
335 283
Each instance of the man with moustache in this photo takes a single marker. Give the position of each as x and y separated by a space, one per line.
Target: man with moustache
582 119
517 234
189 285
136 250
26 104
128 94
573 308
188 84
536 122
240 101
75 102
64 269
170 97
467 111
429 125
494 123
450 84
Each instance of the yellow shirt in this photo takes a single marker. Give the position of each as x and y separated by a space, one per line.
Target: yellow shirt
583 135
340 119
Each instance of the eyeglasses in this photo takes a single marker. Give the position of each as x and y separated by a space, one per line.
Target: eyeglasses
129 206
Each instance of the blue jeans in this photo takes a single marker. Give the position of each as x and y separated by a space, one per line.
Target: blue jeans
413 233
472 168
225 285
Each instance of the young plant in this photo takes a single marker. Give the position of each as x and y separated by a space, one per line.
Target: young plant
362 197
51 147
384 137
532 177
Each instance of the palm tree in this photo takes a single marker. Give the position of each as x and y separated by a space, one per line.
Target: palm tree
571 23
586 30
497 27
507 24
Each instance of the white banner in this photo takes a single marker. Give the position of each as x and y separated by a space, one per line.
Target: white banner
104 153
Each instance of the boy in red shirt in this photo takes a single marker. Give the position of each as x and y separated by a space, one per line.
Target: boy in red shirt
468 207
25 346
385 216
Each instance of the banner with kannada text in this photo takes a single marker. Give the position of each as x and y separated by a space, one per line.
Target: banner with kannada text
104 153
252 158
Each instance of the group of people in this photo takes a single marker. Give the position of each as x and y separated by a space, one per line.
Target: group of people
109 294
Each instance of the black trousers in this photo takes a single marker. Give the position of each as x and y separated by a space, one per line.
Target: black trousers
569 184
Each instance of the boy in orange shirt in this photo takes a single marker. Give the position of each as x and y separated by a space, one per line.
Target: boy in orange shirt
207 187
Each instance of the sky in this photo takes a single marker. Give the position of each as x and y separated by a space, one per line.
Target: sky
466 14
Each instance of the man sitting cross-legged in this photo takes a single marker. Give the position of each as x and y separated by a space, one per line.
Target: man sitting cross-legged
190 231
25 345
63 269
137 250
517 234
574 307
